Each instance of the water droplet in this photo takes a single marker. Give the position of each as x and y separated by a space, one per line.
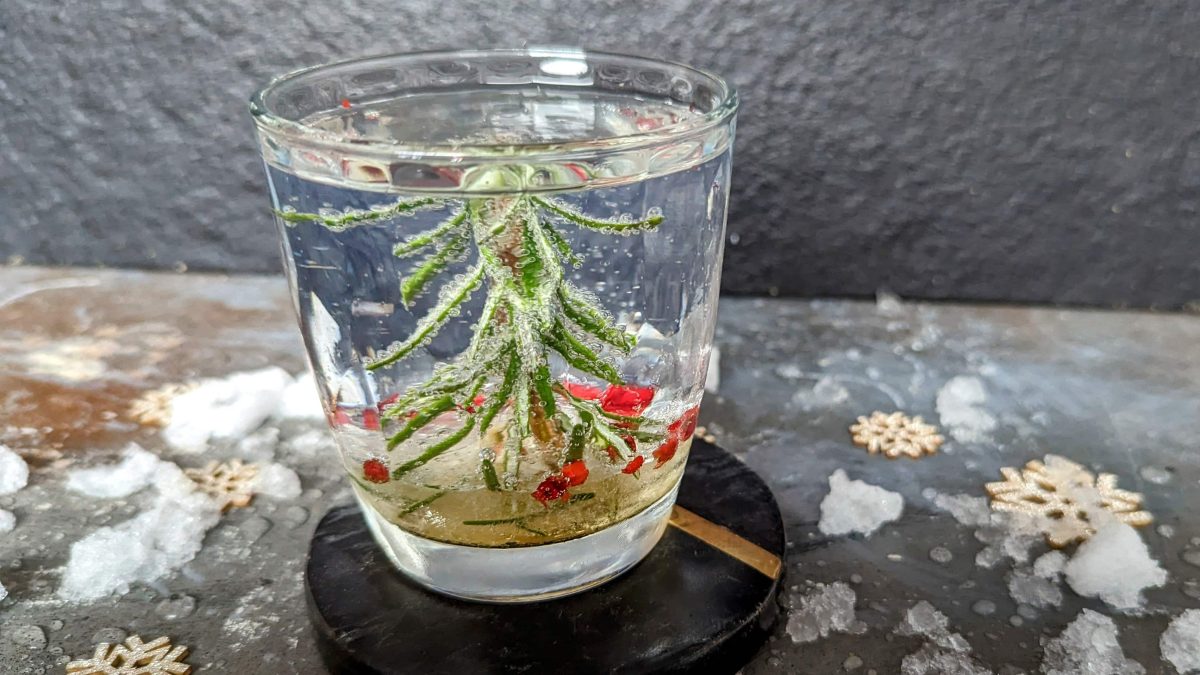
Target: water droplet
941 554
856 578
1191 588
295 516
28 636
1166 531
176 607
254 528
1027 612
1156 475
984 608
1016 621
852 662
1191 556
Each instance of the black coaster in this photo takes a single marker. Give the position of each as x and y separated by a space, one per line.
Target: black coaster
692 606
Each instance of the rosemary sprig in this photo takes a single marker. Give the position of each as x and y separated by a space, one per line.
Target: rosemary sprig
530 314
355 218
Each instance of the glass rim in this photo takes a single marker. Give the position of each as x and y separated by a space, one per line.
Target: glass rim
270 122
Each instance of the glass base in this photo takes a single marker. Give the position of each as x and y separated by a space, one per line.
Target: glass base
522 574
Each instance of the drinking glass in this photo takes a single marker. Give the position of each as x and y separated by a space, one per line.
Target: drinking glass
505 265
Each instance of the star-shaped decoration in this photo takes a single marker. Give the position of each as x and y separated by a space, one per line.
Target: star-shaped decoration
1067 498
230 483
896 434
134 657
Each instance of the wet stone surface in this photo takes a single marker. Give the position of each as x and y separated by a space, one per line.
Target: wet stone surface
1115 392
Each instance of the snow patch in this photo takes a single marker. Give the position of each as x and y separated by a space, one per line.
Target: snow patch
134 472
828 609
8 521
1028 588
145 548
944 652
1088 645
224 409
826 393
960 406
1115 566
855 506
277 481
1005 535
14 472
300 400
1180 643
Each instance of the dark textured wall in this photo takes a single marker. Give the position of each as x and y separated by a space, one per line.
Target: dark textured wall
1045 151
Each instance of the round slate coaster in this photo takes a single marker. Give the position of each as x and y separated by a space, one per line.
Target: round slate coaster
703 601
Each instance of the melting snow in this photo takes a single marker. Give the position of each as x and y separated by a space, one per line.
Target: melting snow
277 481
944 653
960 407
1180 643
134 472
8 521
1027 587
300 400
1088 645
225 409
1006 535
1115 566
828 609
826 393
855 506
14 472
147 547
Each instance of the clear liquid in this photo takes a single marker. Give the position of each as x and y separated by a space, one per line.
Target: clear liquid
656 284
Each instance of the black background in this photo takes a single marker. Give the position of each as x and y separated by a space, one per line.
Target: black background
972 149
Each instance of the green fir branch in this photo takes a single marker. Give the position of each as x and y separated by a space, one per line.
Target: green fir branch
586 314
436 449
423 239
355 218
432 322
571 215
451 252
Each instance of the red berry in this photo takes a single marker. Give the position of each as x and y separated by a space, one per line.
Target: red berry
666 451
575 472
375 471
629 400
685 426
554 487
629 442
387 402
633 465
584 391
346 103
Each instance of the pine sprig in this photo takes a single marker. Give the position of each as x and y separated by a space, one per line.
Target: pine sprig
356 218
531 313
423 239
571 215
433 321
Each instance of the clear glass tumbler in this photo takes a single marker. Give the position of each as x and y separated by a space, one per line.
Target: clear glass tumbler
506 267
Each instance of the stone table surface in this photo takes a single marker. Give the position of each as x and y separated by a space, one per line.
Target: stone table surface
1115 391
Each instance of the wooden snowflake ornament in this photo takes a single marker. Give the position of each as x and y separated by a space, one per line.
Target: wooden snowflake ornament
134 657
1066 498
153 408
896 434
230 483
